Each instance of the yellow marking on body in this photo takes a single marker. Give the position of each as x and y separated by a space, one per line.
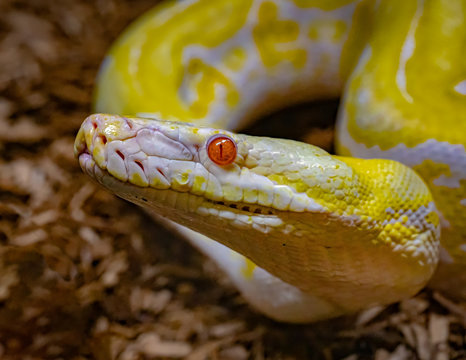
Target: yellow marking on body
357 37
428 76
270 33
203 79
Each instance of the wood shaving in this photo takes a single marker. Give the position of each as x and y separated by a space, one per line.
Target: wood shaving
85 275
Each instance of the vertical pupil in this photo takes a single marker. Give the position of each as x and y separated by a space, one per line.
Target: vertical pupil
221 150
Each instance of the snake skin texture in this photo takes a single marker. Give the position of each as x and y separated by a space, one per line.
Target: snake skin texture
303 235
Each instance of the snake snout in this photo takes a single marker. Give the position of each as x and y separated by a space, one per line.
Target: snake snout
139 151
97 133
99 129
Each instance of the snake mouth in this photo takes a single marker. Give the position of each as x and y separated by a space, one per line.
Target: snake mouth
152 197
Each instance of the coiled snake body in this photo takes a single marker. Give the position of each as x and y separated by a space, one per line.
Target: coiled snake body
308 235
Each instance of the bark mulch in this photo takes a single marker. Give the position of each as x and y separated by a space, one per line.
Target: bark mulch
85 275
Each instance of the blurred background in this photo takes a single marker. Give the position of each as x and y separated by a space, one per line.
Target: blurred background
85 275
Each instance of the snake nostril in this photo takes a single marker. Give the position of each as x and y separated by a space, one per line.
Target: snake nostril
103 138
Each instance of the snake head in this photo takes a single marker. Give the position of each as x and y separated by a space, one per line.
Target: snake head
166 155
347 230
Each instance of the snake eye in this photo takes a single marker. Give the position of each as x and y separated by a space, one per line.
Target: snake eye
221 149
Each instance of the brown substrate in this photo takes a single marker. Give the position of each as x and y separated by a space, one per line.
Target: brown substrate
85 275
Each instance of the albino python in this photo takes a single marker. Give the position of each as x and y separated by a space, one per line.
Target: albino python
304 235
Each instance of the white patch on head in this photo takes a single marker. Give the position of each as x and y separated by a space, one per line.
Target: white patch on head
463 202
153 142
407 52
460 88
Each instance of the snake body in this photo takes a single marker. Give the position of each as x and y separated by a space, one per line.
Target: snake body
304 235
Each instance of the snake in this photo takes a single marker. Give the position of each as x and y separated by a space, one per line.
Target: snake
303 234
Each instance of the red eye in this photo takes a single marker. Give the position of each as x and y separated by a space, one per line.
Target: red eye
221 149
